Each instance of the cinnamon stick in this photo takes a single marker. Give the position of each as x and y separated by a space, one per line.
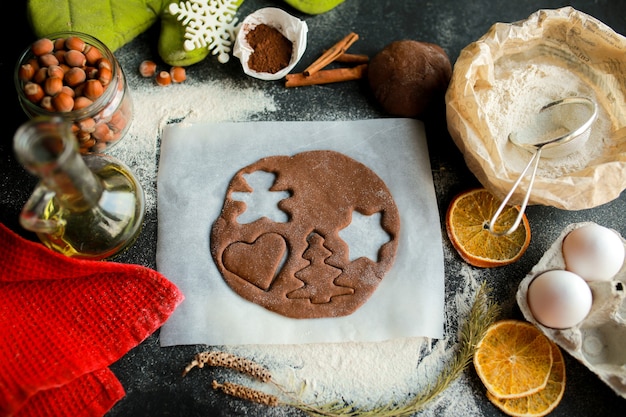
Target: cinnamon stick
347 58
331 54
328 76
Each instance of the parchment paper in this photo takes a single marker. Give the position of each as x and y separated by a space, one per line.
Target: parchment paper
196 165
584 48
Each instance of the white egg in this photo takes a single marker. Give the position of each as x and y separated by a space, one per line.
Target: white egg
594 252
559 299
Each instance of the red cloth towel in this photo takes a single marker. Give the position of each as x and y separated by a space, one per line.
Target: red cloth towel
63 321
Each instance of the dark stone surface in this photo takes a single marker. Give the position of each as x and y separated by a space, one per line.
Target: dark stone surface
151 374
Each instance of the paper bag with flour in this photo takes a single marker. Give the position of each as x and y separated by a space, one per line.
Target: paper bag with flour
502 80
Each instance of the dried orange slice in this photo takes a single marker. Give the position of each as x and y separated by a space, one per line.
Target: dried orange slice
513 359
467 224
542 402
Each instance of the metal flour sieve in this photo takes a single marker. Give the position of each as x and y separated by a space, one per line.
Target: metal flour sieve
560 128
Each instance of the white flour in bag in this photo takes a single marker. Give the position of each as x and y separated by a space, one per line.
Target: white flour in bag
517 94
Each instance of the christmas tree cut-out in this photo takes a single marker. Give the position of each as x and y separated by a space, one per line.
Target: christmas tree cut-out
318 277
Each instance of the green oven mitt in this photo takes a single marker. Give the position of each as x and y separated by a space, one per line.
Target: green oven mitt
117 22
113 22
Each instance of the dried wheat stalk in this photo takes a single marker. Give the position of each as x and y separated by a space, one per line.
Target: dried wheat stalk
228 360
245 393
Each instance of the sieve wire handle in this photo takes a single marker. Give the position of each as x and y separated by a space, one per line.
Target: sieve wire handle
536 157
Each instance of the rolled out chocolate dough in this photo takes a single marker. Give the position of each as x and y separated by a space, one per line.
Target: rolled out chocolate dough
301 268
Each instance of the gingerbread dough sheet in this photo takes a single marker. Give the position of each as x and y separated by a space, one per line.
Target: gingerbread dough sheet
298 264
198 163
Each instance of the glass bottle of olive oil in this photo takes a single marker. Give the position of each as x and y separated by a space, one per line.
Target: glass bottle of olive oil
84 206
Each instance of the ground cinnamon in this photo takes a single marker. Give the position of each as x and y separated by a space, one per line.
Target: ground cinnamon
271 49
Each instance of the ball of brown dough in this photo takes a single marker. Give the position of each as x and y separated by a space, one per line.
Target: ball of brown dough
406 75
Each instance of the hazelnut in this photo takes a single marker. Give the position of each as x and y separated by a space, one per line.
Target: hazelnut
102 132
33 92
118 121
87 125
104 63
46 103
92 54
92 72
42 46
93 89
75 76
67 75
34 63
60 56
163 78
63 102
178 74
147 68
56 71
104 76
78 90
68 90
26 72
100 146
40 75
48 59
59 43
86 145
74 43
82 102
74 58
78 132
53 85
83 138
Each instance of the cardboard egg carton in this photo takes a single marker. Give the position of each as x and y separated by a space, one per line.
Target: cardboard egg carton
598 341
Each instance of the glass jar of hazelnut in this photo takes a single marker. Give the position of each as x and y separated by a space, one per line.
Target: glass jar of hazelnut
75 76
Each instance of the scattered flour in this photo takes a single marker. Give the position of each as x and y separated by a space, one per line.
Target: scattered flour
155 107
365 374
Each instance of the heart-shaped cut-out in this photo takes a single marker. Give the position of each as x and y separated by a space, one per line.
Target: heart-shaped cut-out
257 262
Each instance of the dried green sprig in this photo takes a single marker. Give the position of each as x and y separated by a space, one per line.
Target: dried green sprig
482 314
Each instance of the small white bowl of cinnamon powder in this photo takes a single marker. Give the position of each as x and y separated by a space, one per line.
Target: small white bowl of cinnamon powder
270 42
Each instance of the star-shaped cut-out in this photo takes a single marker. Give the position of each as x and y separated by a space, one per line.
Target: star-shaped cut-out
364 236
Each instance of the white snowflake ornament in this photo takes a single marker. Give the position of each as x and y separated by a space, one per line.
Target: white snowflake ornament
208 24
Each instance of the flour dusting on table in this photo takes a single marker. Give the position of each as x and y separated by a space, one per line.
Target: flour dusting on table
367 374
154 107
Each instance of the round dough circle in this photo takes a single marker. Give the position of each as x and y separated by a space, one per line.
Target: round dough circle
301 268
